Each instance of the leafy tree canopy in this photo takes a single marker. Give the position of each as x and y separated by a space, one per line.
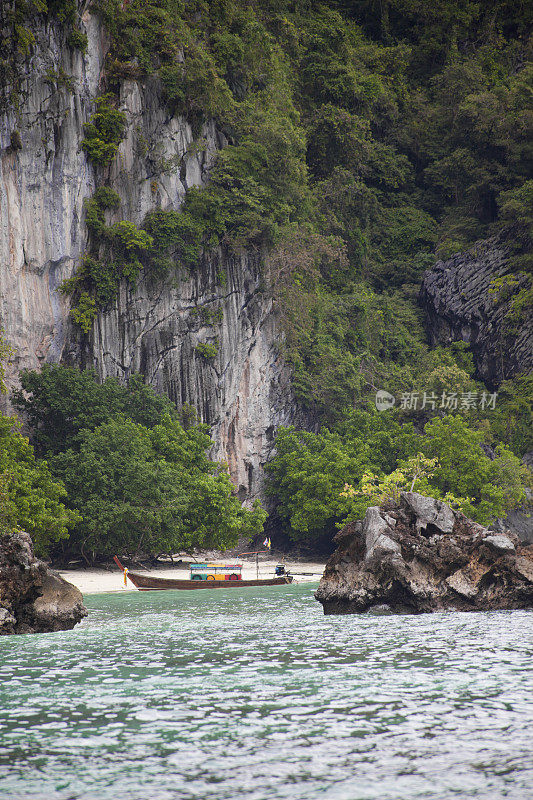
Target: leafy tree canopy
59 402
309 472
150 490
30 497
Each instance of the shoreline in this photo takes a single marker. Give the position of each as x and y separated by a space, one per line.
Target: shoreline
101 581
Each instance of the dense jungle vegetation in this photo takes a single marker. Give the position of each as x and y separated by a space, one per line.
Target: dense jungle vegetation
112 468
365 139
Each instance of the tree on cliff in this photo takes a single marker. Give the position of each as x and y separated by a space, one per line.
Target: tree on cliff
150 490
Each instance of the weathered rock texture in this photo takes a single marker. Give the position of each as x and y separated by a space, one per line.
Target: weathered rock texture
244 390
455 295
43 184
422 556
33 599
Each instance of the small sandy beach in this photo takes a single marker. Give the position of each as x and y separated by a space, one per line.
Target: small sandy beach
94 581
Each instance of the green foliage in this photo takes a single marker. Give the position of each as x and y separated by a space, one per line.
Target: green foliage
59 402
177 238
150 490
136 479
494 486
411 475
342 344
128 243
25 39
309 471
77 40
15 140
512 420
59 79
457 469
104 132
314 475
115 253
6 351
517 217
63 10
194 87
30 497
105 197
207 349
84 312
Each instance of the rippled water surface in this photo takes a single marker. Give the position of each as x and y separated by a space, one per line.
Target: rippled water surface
252 693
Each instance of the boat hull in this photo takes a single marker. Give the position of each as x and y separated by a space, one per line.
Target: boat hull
147 583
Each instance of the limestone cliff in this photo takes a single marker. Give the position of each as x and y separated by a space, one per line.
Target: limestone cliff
44 179
243 391
459 306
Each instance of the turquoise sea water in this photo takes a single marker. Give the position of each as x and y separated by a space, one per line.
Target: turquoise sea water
253 693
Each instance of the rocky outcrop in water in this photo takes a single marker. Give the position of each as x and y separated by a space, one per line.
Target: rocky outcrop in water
33 599
421 556
459 307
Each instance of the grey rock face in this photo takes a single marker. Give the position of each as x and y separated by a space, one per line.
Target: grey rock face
42 188
466 568
43 185
455 295
429 511
461 584
502 543
60 605
243 392
32 598
376 530
519 522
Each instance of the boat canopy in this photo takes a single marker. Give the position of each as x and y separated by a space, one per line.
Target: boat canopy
212 567
216 572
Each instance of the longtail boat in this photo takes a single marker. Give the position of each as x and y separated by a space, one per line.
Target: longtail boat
204 576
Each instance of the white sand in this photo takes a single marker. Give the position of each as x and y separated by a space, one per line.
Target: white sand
92 581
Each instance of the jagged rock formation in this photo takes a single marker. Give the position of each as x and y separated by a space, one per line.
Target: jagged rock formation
45 178
455 296
33 599
421 556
